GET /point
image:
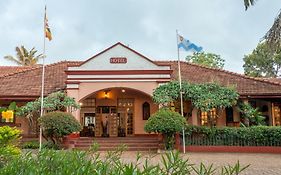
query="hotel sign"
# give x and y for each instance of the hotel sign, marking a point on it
(118, 60)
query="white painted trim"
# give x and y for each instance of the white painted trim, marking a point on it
(121, 76)
(72, 86)
(144, 80)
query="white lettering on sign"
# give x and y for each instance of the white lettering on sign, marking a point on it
(118, 60)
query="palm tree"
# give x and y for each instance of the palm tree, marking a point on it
(24, 57)
(273, 36)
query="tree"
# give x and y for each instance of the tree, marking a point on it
(204, 97)
(24, 57)
(273, 36)
(206, 59)
(58, 124)
(57, 101)
(167, 123)
(262, 62)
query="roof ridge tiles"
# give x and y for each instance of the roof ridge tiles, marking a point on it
(226, 71)
(33, 68)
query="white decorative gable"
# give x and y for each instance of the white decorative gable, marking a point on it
(119, 57)
(117, 63)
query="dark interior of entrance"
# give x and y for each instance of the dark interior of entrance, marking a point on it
(108, 121)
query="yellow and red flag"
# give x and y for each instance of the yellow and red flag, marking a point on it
(47, 29)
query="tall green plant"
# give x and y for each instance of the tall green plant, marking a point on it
(204, 96)
(58, 124)
(49, 162)
(57, 101)
(9, 138)
(251, 116)
(167, 123)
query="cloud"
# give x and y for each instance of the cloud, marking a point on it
(83, 28)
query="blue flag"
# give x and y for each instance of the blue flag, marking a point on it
(186, 45)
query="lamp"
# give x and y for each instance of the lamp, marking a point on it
(106, 94)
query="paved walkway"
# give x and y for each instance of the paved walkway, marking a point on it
(269, 164)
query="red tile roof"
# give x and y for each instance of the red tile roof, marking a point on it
(26, 81)
(245, 85)
(6, 70)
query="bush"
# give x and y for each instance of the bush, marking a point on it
(167, 123)
(52, 162)
(51, 145)
(34, 144)
(58, 124)
(243, 136)
(9, 139)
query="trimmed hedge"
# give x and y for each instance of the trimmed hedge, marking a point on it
(244, 136)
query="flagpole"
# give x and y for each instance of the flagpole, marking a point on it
(181, 98)
(42, 82)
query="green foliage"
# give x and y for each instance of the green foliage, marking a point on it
(34, 144)
(57, 101)
(12, 106)
(243, 136)
(58, 124)
(262, 62)
(167, 93)
(203, 96)
(24, 57)
(9, 138)
(206, 59)
(51, 145)
(167, 123)
(50, 162)
(251, 116)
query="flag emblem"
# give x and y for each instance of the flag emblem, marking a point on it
(186, 45)
(48, 33)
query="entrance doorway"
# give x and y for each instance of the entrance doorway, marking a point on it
(113, 121)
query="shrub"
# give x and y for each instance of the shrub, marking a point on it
(244, 136)
(51, 145)
(9, 139)
(52, 162)
(34, 144)
(167, 123)
(58, 124)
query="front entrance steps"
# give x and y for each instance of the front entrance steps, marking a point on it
(136, 143)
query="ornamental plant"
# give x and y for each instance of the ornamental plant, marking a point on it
(57, 101)
(58, 124)
(72, 162)
(166, 122)
(204, 97)
(251, 116)
(8, 113)
(9, 138)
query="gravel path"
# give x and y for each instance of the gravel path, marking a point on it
(269, 164)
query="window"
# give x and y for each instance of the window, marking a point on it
(145, 111)
(208, 120)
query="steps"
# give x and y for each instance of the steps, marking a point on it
(139, 143)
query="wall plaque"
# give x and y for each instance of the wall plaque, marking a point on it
(118, 60)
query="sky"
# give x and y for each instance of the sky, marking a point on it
(83, 28)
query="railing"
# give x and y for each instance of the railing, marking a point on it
(222, 140)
